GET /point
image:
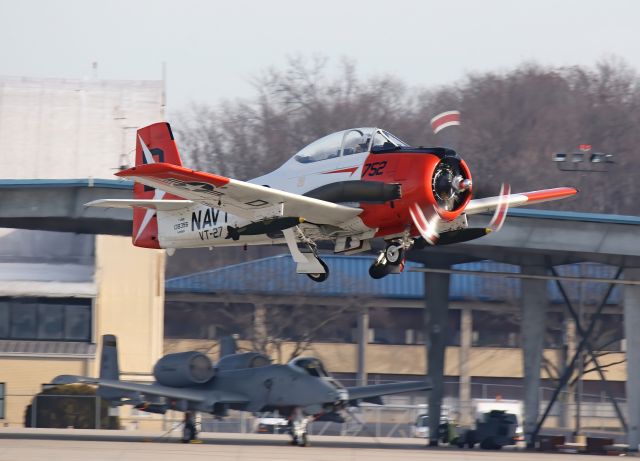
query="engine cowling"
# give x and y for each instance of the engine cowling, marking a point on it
(183, 369)
(430, 177)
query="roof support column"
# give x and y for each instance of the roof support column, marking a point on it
(466, 339)
(363, 340)
(435, 323)
(260, 327)
(534, 307)
(631, 328)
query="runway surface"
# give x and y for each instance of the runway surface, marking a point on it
(17, 447)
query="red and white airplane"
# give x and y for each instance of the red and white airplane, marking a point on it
(346, 188)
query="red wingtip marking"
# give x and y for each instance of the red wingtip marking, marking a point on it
(550, 194)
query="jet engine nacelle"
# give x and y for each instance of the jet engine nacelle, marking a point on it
(183, 369)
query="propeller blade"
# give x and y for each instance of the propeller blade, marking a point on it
(427, 226)
(499, 216)
(444, 120)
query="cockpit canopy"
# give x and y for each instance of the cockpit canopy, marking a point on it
(311, 366)
(348, 142)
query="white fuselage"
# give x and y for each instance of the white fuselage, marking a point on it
(203, 226)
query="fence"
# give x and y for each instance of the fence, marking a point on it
(394, 419)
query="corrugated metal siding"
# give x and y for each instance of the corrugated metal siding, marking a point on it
(349, 276)
(11, 347)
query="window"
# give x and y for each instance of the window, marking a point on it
(355, 142)
(23, 320)
(51, 322)
(322, 149)
(2, 387)
(61, 319)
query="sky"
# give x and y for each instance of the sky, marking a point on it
(214, 49)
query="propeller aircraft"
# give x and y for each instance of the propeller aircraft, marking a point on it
(346, 188)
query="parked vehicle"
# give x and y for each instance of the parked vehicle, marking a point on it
(272, 425)
(494, 430)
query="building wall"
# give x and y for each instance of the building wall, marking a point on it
(130, 301)
(61, 128)
(71, 129)
(24, 376)
(486, 362)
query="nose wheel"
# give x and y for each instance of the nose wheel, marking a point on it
(298, 428)
(389, 261)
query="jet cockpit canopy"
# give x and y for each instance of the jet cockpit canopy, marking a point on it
(310, 365)
(348, 142)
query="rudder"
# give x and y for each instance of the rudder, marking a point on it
(154, 144)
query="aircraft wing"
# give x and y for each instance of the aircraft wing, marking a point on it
(240, 198)
(164, 205)
(482, 205)
(377, 390)
(193, 395)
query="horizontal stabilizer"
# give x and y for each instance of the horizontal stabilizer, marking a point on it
(162, 205)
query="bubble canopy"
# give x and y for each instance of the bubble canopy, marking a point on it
(348, 142)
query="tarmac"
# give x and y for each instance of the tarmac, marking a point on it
(80, 445)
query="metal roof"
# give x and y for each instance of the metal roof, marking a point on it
(574, 216)
(47, 348)
(87, 182)
(349, 277)
(514, 212)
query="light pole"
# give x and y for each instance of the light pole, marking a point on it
(583, 159)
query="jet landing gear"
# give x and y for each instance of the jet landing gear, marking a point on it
(391, 260)
(298, 428)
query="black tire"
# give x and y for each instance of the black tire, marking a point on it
(378, 271)
(320, 277)
(470, 439)
(489, 444)
(394, 254)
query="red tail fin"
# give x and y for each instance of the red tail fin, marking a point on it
(154, 144)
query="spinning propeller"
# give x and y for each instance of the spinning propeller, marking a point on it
(450, 188)
(427, 221)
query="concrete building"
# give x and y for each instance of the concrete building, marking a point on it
(68, 129)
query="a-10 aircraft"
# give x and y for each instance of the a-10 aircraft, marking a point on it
(301, 390)
(346, 188)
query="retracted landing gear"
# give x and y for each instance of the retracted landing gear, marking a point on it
(308, 262)
(298, 427)
(391, 260)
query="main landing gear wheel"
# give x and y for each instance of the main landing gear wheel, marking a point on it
(377, 271)
(394, 254)
(390, 261)
(320, 277)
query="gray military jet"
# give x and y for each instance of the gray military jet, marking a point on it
(301, 390)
